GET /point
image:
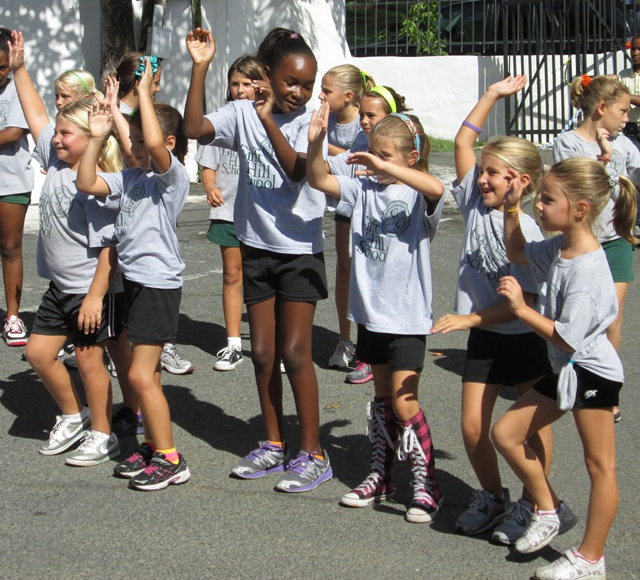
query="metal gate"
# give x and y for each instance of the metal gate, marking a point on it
(552, 42)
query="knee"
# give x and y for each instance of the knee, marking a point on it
(232, 276)
(293, 356)
(501, 437)
(600, 467)
(11, 249)
(38, 358)
(472, 430)
(262, 353)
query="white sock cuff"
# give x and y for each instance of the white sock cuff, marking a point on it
(234, 341)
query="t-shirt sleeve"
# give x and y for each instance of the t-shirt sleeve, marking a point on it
(633, 163)
(100, 222)
(173, 182)
(350, 189)
(464, 191)
(115, 182)
(573, 323)
(15, 115)
(433, 219)
(209, 156)
(224, 122)
(45, 153)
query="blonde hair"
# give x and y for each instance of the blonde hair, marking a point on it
(583, 179)
(394, 129)
(349, 77)
(598, 89)
(81, 82)
(519, 155)
(110, 157)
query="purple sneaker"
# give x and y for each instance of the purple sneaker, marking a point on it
(304, 473)
(267, 458)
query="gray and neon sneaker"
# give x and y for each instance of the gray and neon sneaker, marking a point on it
(136, 463)
(540, 532)
(304, 473)
(267, 458)
(484, 512)
(65, 433)
(96, 448)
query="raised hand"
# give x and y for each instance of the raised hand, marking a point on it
(264, 98)
(201, 46)
(100, 121)
(374, 165)
(16, 51)
(516, 186)
(146, 78)
(509, 86)
(111, 87)
(319, 123)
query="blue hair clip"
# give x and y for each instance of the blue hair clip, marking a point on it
(412, 127)
(153, 61)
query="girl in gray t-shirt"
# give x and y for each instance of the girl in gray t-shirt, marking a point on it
(587, 372)
(393, 222)
(80, 264)
(278, 220)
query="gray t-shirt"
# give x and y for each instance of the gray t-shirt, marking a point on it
(625, 160)
(16, 173)
(73, 226)
(150, 204)
(271, 211)
(343, 135)
(391, 230)
(582, 302)
(338, 163)
(226, 164)
(484, 256)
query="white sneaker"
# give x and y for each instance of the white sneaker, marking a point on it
(228, 359)
(343, 355)
(542, 529)
(14, 331)
(65, 433)
(173, 361)
(94, 449)
(572, 566)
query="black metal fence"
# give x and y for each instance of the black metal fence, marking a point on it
(550, 41)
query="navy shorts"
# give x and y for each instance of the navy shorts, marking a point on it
(504, 359)
(297, 277)
(151, 314)
(593, 391)
(402, 352)
(58, 312)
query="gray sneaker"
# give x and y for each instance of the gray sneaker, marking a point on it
(267, 458)
(572, 565)
(484, 512)
(513, 527)
(65, 433)
(94, 449)
(173, 361)
(540, 532)
(567, 518)
(304, 473)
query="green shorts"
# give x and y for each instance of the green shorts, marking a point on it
(17, 198)
(223, 233)
(620, 258)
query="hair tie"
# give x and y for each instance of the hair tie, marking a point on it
(412, 128)
(294, 35)
(365, 76)
(153, 61)
(386, 95)
(586, 81)
(75, 74)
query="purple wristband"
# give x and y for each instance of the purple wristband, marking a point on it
(471, 126)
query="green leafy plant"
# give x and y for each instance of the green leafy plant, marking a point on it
(421, 28)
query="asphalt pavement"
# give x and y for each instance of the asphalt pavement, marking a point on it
(75, 523)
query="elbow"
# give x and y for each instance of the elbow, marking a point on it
(192, 130)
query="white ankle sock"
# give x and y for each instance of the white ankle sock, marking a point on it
(234, 341)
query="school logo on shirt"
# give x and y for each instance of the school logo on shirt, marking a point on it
(230, 163)
(396, 219)
(57, 204)
(490, 257)
(258, 172)
(132, 200)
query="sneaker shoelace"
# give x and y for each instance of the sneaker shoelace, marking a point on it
(378, 435)
(262, 455)
(479, 500)
(226, 353)
(14, 325)
(361, 367)
(370, 484)
(540, 528)
(88, 441)
(518, 514)
(299, 465)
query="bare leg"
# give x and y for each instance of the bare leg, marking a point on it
(144, 377)
(404, 385)
(614, 332)
(596, 429)
(122, 355)
(42, 354)
(232, 289)
(97, 385)
(12, 216)
(295, 324)
(265, 353)
(510, 434)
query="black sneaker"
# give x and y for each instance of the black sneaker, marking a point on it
(126, 422)
(134, 464)
(161, 473)
(228, 359)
